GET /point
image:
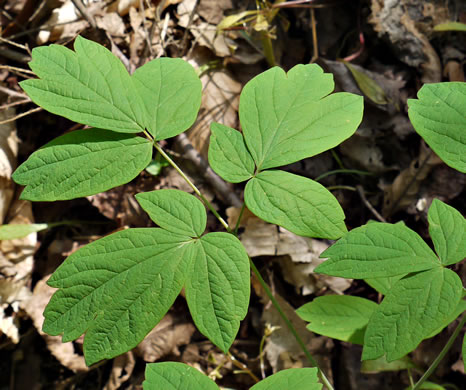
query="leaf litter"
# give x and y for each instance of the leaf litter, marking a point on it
(406, 175)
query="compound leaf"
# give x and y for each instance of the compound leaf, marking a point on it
(340, 317)
(288, 116)
(171, 92)
(117, 289)
(292, 378)
(447, 227)
(415, 307)
(300, 205)
(228, 154)
(176, 376)
(439, 117)
(378, 250)
(89, 86)
(82, 163)
(218, 287)
(175, 211)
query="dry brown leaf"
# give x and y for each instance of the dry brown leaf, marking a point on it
(8, 153)
(220, 100)
(404, 191)
(282, 350)
(298, 256)
(64, 352)
(122, 369)
(165, 338)
(112, 23)
(406, 23)
(123, 6)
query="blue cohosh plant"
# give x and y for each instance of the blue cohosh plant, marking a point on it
(116, 289)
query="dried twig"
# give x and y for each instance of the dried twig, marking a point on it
(32, 111)
(368, 204)
(219, 186)
(10, 92)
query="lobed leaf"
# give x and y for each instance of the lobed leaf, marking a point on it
(378, 250)
(439, 117)
(340, 317)
(89, 86)
(228, 154)
(300, 205)
(292, 378)
(218, 287)
(175, 211)
(171, 93)
(288, 116)
(82, 163)
(447, 228)
(117, 289)
(176, 376)
(416, 306)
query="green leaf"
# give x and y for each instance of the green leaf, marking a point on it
(176, 376)
(175, 211)
(378, 250)
(82, 163)
(381, 365)
(228, 154)
(383, 285)
(12, 231)
(447, 227)
(288, 116)
(439, 117)
(340, 317)
(300, 205)
(368, 86)
(450, 26)
(117, 289)
(171, 92)
(415, 306)
(292, 378)
(89, 86)
(460, 309)
(218, 287)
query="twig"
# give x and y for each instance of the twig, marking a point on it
(32, 111)
(184, 40)
(220, 187)
(368, 205)
(14, 55)
(17, 103)
(10, 92)
(83, 11)
(12, 43)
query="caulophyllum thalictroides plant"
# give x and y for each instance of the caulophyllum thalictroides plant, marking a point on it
(116, 289)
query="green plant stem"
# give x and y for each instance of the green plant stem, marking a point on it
(191, 184)
(441, 355)
(235, 230)
(290, 326)
(268, 49)
(262, 282)
(350, 171)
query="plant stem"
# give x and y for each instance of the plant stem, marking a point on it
(235, 230)
(441, 355)
(262, 282)
(191, 184)
(290, 326)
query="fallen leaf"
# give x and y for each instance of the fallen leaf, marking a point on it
(64, 352)
(165, 338)
(122, 369)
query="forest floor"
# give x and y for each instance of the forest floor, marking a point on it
(383, 50)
